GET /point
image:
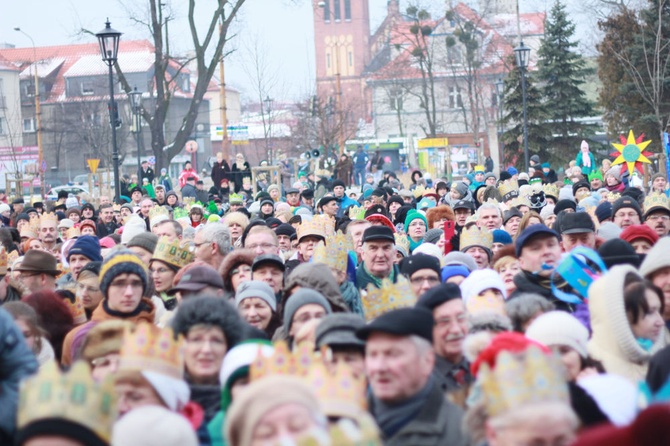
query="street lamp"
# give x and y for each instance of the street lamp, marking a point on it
(268, 137)
(38, 119)
(108, 39)
(500, 91)
(521, 53)
(136, 105)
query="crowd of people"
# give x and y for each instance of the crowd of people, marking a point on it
(510, 309)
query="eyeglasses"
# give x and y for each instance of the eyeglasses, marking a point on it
(90, 289)
(262, 245)
(420, 280)
(123, 284)
(659, 217)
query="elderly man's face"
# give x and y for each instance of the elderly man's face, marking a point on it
(396, 368)
(378, 256)
(48, 232)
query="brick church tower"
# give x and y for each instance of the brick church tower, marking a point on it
(342, 41)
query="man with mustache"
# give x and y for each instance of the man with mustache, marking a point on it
(452, 369)
(657, 213)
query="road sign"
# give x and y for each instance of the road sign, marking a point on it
(93, 164)
(152, 160)
(191, 146)
(431, 143)
(44, 166)
(238, 134)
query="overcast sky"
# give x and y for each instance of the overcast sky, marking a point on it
(283, 29)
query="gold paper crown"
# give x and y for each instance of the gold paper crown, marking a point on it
(509, 188)
(73, 233)
(154, 349)
(356, 212)
(173, 253)
(389, 297)
(551, 189)
(283, 361)
(522, 378)
(235, 198)
(655, 200)
(347, 432)
(339, 391)
(11, 257)
(72, 396)
(418, 191)
(327, 222)
(76, 309)
(335, 252)
(116, 207)
(48, 217)
(402, 241)
(520, 201)
(4, 261)
(313, 227)
(429, 191)
(613, 196)
(474, 236)
(158, 210)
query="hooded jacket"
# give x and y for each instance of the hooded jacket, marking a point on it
(613, 342)
(318, 277)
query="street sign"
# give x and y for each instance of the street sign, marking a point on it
(431, 143)
(191, 146)
(152, 160)
(238, 134)
(44, 166)
(93, 164)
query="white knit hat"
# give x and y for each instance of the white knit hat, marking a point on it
(482, 280)
(135, 225)
(153, 426)
(559, 328)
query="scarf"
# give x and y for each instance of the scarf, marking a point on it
(586, 159)
(391, 418)
(351, 297)
(376, 280)
(413, 245)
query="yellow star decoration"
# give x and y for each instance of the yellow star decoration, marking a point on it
(631, 151)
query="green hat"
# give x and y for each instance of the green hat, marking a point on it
(596, 174)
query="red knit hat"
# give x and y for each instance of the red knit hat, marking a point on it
(635, 232)
(650, 428)
(508, 341)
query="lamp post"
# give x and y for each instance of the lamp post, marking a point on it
(108, 39)
(268, 136)
(38, 118)
(521, 53)
(500, 91)
(136, 105)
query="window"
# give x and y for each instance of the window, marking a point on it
(28, 125)
(347, 9)
(455, 99)
(95, 119)
(328, 61)
(3, 126)
(29, 89)
(396, 102)
(351, 59)
(186, 83)
(326, 11)
(86, 88)
(336, 10)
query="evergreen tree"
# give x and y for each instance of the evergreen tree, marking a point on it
(512, 121)
(562, 72)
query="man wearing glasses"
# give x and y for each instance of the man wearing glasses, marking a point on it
(422, 271)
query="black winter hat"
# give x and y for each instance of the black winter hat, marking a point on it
(338, 182)
(403, 322)
(618, 252)
(285, 229)
(396, 199)
(438, 295)
(414, 263)
(563, 205)
(626, 202)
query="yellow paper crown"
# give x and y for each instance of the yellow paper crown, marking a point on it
(339, 391)
(522, 378)
(4, 261)
(551, 189)
(418, 191)
(656, 200)
(313, 227)
(509, 189)
(153, 349)
(390, 296)
(72, 396)
(173, 253)
(48, 217)
(479, 168)
(158, 210)
(474, 236)
(335, 252)
(327, 222)
(11, 257)
(613, 196)
(73, 233)
(76, 309)
(362, 431)
(235, 198)
(116, 207)
(520, 201)
(283, 361)
(402, 241)
(356, 212)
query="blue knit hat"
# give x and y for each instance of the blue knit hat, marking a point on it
(501, 236)
(122, 261)
(87, 246)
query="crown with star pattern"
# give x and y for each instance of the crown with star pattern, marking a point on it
(390, 296)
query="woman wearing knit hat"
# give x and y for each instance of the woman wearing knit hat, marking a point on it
(123, 282)
(301, 307)
(566, 336)
(153, 425)
(210, 326)
(626, 322)
(415, 227)
(237, 222)
(272, 410)
(642, 237)
(257, 304)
